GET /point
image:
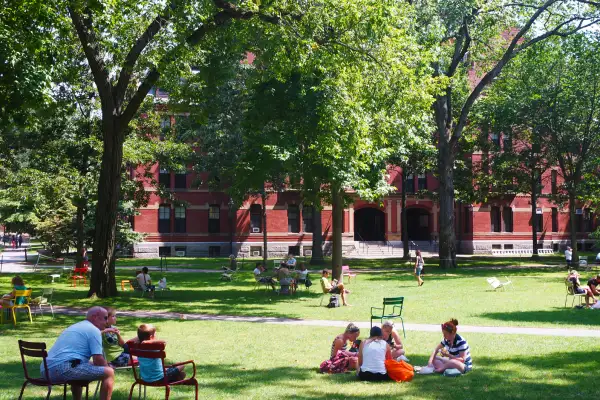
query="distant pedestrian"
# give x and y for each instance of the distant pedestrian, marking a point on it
(419, 263)
(569, 256)
(19, 240)
(4, 239)
(13, 241)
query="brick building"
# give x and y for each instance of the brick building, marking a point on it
(210, 226)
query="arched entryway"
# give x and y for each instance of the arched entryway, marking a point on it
(369, 224)
(418, 224)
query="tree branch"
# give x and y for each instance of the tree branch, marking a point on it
(92, 54)
(461, 46)
(137, 49)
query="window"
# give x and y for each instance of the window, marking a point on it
(255, 218)
(214, 218)
(507, 219)
(165, 126)
(467, 221)
(214, 251)
(495, 138)
(539, 222)
(294, 250)
(410, 183)
(181, 180)
(180, 219)
(588, 218)
(307, 218)
(554, 219)
(578, 220)
(554, 177)
(164, 218)
(495, 219)
(422, 182)
(164, 178)
(293, 215)
(164, 251)
(509, 247)
(507, 141)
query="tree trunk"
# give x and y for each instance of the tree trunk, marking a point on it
(447, 251)
(263, 197)
(573, 225)
(406, 249)
(80, 230)
(317, 239)
(534, 216)
(102, 282)
(337, 220)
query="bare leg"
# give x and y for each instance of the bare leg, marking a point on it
(108, 382)
(76, 391)
(397, 353)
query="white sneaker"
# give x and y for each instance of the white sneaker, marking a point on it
(402, 358)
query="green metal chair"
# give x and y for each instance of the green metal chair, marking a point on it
(392, 308)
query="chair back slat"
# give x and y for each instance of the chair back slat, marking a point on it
(34, 353)
(393, 300)
(32, 345)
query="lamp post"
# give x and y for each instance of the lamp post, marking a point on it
(231, 225)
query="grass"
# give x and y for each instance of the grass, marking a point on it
(537, 299)
(257, 361)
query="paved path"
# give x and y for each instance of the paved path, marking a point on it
(496, 330)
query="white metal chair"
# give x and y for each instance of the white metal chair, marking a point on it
(570, 292)
(496, 284)
(44, 300)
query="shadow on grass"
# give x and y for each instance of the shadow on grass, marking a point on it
(557, 315)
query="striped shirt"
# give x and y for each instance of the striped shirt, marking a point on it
(340, 337)
(460, 345)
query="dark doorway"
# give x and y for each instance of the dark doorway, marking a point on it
(369, 224)
(418, 224)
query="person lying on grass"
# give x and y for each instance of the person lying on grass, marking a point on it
(391, 336)
(452, 352)
(334, 287)
(151, 369)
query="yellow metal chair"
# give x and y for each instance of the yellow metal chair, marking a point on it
(26, 295)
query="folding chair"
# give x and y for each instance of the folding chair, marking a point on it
(496, 284)
(346, 272)
(19, 294)
(44, 300)
(325, 291)
(396, 304)
(154, 350)
(38, 350)
(570, 292)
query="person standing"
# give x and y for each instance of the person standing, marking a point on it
(568, 257)
(69, 357)
(419, 263)
(19, 240)
(13, 241)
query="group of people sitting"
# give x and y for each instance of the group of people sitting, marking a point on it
(590, 291)
(368, 357)
(288, 279)
(98, 338)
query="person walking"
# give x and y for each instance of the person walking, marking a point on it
(419, 263)
(19, 240)
(13, 241)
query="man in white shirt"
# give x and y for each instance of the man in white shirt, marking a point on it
(145, 282)
(69, 357)
(568, 256)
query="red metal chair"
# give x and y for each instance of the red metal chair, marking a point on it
(38, 349)
(154, 350)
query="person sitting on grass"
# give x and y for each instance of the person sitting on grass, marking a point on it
(452, 352)
(579, 289)
(262, 279)
(391, 336)
(372, 355)
(151, 369)
(334, 287)
(342, 359)
(10, 299)
(115, 348)
(145, 282)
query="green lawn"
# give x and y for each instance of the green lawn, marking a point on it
(258, 361)
(537, 299)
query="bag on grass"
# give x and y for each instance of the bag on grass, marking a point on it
(308, 282)
(334, 302)
(400, 371)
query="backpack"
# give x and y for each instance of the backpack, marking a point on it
(334, 302)
(400, 371)
(307, 282)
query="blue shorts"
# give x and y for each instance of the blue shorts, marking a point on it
(419, 270)
(66, 371)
